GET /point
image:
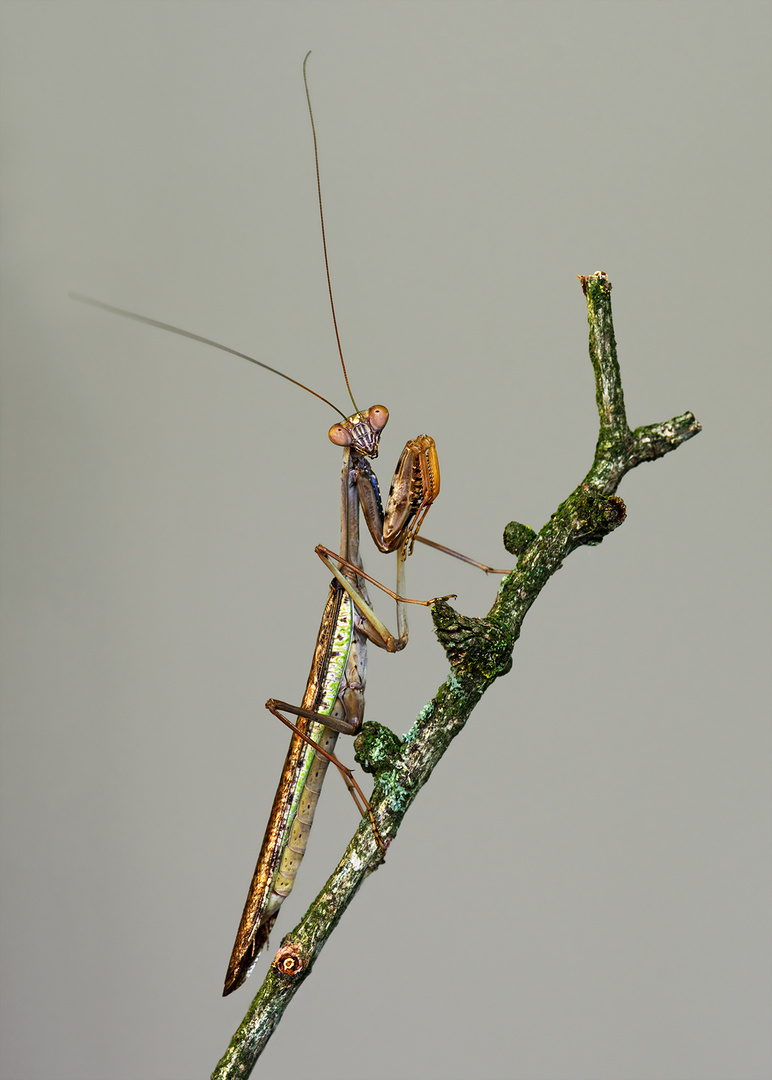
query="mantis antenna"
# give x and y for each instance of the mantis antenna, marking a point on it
(324, 238)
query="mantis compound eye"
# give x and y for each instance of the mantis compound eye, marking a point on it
(340, 435)
(378, 416)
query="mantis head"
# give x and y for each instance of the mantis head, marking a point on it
(362, 430)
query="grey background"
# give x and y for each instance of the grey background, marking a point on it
(583, 889)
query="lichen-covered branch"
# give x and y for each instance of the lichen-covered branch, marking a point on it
(479, 651)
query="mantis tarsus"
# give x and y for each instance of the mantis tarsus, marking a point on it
(334, 696)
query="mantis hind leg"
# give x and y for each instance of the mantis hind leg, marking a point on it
(359, 797)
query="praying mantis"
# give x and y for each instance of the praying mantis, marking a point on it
(334, 698)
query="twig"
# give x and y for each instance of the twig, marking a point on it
(479, 651)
